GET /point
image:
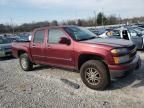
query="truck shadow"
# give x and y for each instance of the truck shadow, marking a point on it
(41, 67)
(134, 80)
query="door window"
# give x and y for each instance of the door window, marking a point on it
(55, 35)
(39, 36)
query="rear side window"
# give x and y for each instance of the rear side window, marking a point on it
(39, 36)
(55, 35)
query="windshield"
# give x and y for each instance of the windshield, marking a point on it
(4, 41)
(79, 33)
(116, 33)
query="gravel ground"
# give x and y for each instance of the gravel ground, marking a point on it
(47, 87)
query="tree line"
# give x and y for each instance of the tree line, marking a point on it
(98, 20)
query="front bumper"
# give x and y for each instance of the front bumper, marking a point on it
(121, 70)
(5, 53)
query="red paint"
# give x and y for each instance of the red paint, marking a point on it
(66, 56)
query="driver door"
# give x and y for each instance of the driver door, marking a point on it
(37, 46)
(57, 53)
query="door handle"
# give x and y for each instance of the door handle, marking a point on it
(33, 45)
(48, 46)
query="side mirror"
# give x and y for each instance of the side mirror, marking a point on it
(65, 40)
(29, 38)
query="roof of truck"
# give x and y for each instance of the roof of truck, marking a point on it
(56, 27)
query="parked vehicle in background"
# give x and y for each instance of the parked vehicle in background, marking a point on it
(134, 36)
(100, 31)
(72, 47)
(107, 33)
(140, 30)
(127, 34)
(5, 47)
(24, 37)
(140, 25)
(13, 38)
(97, 31)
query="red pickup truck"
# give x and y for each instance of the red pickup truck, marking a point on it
(73, 47)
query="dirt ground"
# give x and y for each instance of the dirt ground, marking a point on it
(47, 87)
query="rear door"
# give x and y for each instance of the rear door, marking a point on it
(57, 53)
(37, 46)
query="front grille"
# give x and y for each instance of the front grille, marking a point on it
(131, 47)
(132, 51)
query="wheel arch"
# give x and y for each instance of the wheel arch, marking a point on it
(22, 51)
(85, 57)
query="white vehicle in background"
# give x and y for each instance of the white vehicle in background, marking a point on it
(126, 33)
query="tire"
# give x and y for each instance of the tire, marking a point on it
(25, 62)
(96, 70)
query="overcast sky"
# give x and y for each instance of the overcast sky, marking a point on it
(21, 11)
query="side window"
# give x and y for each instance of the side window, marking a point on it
(55, 35)
(39, 36)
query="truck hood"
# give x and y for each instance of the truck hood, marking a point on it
(110, 42)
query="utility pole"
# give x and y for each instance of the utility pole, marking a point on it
(119, 19)
(95, 18)
(12, 26)
(102, 17)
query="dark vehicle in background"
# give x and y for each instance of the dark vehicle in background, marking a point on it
(13, 38)
(140, 25)
(98, 60)
(5, 47)
(138, 29)
(23, 38)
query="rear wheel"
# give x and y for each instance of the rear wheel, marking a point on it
(95, 75)
(25, 62)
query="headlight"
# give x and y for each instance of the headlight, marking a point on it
(120, 51)
(122, 59)
(120, 55)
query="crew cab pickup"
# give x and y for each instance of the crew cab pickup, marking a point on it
(72, 47)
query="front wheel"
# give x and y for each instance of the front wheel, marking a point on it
(95, 75)
(25, 62)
